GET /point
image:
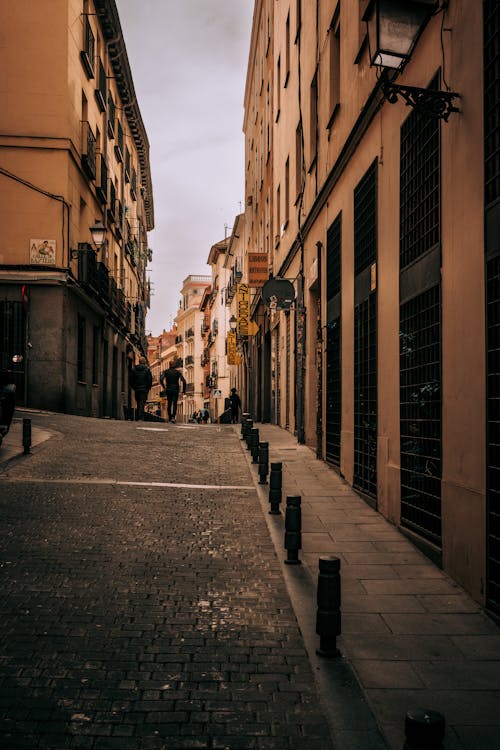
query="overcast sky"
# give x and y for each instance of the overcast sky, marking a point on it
(189, 61)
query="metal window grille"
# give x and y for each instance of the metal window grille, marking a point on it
(81, 344)
(491, 11)
(493, 434)
(287, 371)
(333, 256)
(419, 185)
(365, 224)
(365, 396)
(491, 18)
(277, 377)
(333, 414)
(333, 410)
(420, 412)
(12, 338)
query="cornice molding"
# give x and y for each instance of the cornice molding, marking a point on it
(112, 31)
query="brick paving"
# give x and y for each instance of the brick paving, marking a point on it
(142, 617)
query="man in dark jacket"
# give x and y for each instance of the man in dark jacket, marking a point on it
(171, 380)
(235, 403)
(141, 381)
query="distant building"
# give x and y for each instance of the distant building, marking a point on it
(74, 155)
(189, 343)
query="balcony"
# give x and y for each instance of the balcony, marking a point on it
(100, 92)
(189, 333)
(111, 116)
(205, 326)
(119, 218)
(133, 185)
(87, 55)
(189, 360)
(112, 202)
(101, 187)
(189, 387)
(88, 151)
(119, 142)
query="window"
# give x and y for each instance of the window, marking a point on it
(87, 55)
(299, 160)
(111, 116)
(278, 214)
(298, 15)
(313, 121)
(334, 63)
(100, 92)
(287, 191)
(278, 88)
(287, 50)
(127, 164)
(80, 354)
(119, 141)
(96, 335)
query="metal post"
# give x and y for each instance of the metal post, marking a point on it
(293, 524)
(328, 616)
(424, 730)
(244, 418)
(254, 445)
(27, 435)
(248, 429)
(275, 483)
(263, 462)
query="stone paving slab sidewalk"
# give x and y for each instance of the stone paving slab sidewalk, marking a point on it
(412, 635)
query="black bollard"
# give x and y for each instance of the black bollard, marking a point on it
(263, 462)
(275, 483)
(424, 730)
(27, 435)
(244, 418)
(248, 430)
(254, 445)
(328, 616)
(293, 524)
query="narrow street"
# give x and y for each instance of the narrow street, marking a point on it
(143, 605)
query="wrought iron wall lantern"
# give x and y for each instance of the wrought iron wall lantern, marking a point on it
(98, 236)
(393, 30)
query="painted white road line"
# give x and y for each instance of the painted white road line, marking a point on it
(116, 482)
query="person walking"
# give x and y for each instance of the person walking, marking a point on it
(171, 380)
(235, 403)
(141, 381)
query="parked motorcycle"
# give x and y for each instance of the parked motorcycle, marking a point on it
(7, 397)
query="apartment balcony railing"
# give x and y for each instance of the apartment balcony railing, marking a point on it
(88, 151)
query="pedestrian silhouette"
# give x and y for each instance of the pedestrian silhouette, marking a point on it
(171, 380)
(141, 381)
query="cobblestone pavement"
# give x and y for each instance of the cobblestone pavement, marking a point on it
(140, 616)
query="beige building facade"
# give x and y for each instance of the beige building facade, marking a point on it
(74, 155)
(189, 343)
(385, 222)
